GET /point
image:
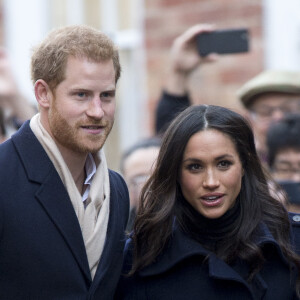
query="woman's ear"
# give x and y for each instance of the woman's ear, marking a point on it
(43, 93)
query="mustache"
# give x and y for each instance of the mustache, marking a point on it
(93, 122)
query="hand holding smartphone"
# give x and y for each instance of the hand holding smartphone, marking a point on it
(227, 41)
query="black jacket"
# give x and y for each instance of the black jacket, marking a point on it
(181, 272)
(169, 106)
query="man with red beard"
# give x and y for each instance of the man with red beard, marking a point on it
(62, 211)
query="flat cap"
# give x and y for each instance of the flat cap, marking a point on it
(268, 82)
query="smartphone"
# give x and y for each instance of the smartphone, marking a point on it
(292, 190)
(223, 41)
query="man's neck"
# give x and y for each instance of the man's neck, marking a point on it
(76, 164)
(75, 161)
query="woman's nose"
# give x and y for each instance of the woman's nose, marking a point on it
(210, 180)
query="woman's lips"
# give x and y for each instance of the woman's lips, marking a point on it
(212, 199)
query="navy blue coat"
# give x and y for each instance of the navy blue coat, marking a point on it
(181, 273)
(42, 252)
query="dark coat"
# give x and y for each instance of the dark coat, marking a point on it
(42, 252)
(181, 273)
(169, 106)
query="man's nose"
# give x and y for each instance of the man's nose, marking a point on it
(278, 114)
(95, 109)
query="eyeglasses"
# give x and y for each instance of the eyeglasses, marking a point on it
(287, 173)
(266, 113)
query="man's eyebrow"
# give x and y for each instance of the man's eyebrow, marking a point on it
(284, 161)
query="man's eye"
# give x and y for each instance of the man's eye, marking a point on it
(81, 94)
(107, 94)
(264, 112)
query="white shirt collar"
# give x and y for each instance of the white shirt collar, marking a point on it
(90, 170)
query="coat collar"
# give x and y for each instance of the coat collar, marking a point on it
(116, 226)
(51, 193)
(32, 154)
(55, 200)
(183, 247)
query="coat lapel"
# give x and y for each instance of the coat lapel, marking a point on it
(115, 237)
(183, 247)
(51, 194)
(55, 200)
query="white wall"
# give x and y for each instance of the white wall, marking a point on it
(282, 34)
(25, 23)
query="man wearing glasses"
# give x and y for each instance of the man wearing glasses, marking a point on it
(283, 142)
(267, 98)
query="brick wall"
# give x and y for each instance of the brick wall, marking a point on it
(215, 83)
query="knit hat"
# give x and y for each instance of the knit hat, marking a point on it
(270, 81)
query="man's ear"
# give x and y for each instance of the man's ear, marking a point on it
(43, 93)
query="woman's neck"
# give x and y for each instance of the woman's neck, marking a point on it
(209, 232)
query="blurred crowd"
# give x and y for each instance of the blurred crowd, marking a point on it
(268, 99)
(272, 97)
(14, 107)
(213, 194)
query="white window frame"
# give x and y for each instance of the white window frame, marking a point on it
(281, 21)
(132, 87)
(27, 22)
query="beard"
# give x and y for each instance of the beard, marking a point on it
(73, 137)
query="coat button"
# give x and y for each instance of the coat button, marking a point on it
(296, 218)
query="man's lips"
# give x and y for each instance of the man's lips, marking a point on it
(93, 129)
(91, 126)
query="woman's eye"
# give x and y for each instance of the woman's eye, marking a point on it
(224, 164)
(194, 167)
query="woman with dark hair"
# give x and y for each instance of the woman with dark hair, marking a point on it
(207, 227)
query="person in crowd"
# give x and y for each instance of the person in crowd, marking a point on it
(63, 213)
(137, 163)
(207, 227)
(266, 98)
(183, 60)
(283, 144)
(15, 107)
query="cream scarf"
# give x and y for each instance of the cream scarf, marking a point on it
(93, 219)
